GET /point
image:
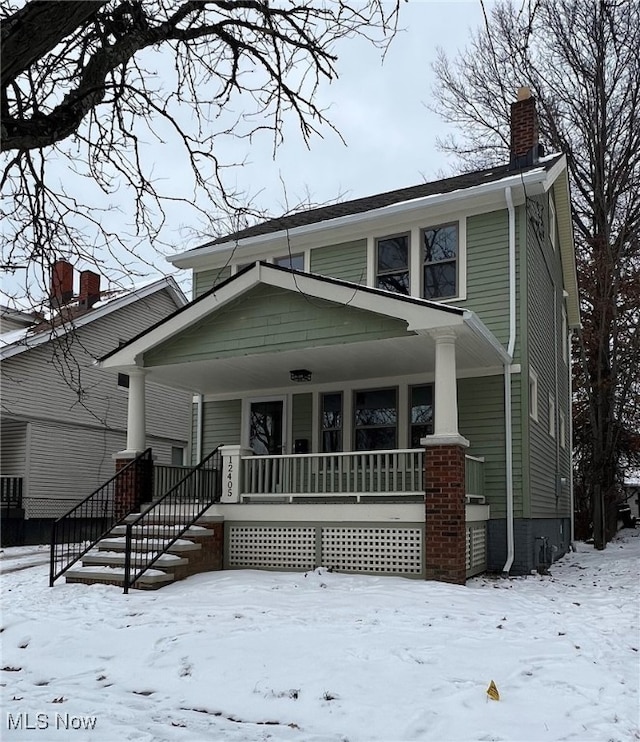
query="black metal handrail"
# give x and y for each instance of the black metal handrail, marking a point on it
(90, 520)
(10, 492)
(166, 520)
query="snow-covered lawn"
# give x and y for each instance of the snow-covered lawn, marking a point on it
(315, 657)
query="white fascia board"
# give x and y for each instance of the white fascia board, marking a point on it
(199, 257)
(128, 356)
(93, 314)
(418, 315)
(478, 327)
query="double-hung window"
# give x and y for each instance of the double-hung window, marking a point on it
(392, 263)
(421, 419)
(375, 419)
(440, 261)
(296, 262)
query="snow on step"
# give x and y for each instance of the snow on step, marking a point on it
(161, 530)
(119, 543)
(117, 558)
(115, 574)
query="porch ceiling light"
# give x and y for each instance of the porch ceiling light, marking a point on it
(300, 374)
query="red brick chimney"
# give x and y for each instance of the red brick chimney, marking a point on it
(525, 147)
(89, 289)
(61, 289)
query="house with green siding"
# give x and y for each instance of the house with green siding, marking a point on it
(388, 377)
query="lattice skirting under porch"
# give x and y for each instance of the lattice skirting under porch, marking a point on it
(476, 548)
(344, 548)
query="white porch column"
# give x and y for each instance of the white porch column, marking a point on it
(446, 395)
(136, 411)
(232, 472)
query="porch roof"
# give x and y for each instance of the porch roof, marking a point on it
(402, 342)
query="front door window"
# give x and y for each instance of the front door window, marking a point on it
(266, 428)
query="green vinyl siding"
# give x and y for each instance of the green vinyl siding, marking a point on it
(302, 422)
(347, 261)
(544, 321)
(270, 320)
(481, 421)
(205, 280)
(488, 272)
(221, 424)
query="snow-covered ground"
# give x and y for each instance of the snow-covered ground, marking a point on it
(319, 657)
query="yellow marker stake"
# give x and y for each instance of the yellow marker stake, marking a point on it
(492, 692)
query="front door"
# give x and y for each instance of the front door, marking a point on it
(266, 428)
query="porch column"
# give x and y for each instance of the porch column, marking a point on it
(232, 472)
(136, 412)
(444, 474)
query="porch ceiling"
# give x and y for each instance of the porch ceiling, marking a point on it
(391, 357)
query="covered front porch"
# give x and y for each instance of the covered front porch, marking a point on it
(332, 401)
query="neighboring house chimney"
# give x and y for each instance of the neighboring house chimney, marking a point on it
(61, 290)
(89, 289)
(525, 148)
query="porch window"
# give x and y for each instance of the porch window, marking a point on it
(375, 419)
(296, 262)
(440, 261)
(331, 420)
(392, 264)
(421, 416)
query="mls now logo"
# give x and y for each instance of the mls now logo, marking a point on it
(45, 721)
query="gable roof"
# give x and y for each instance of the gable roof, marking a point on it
(18, 341)
(377, 201)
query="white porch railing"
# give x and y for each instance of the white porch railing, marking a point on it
(347, 473)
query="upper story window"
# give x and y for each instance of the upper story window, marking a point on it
(392, 263)
(296, 262)
(440, 261)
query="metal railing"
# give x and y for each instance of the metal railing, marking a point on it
(10, 492)
(344, 473)
(80, 528)
(155, 530)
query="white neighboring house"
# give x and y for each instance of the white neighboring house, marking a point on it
(63, 418)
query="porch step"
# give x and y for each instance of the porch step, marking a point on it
(159, 530)
(105, 558)
(152, 579)
(181, 546)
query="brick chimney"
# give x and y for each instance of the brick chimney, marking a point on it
(61, 289)
(525, 147)
(89, 289)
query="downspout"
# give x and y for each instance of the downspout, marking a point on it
(199, 427)
(508, 428)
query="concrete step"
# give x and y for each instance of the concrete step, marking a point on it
(152, 579)
(119, 543)
(161, 531)
(117, 559)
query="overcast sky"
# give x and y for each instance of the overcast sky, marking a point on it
(379, 108)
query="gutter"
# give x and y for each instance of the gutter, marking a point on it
(508, 430)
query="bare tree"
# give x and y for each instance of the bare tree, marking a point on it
(87, 86)
(582, 60)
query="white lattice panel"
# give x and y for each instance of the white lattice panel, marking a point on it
(476, 551)
(378, 550)
(272, 547)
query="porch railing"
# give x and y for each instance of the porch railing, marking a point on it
(10, 492)
(156, 529)
(166, 477)
(79, 529)
(474, 478)
(353, 473)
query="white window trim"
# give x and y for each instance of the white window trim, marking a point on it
(562, 429)
(533, 394)
(552, 222)
(552, 416)
(565, 336)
